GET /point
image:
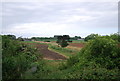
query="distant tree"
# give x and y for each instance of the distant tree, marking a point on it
(115, 36)
(33, 38)
(91, 36)
(77, 37)
(20, 39)
(66, 37)
(59, 38)
(12, 36)
(64, 43)
(62, 40)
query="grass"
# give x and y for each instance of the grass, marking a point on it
(54, 63)
(47, 40)
(63, 51)
(50, 70)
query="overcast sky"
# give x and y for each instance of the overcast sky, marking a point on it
(46, 19)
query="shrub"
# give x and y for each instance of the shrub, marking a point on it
(63, 43)
(115, 36)
(91, 36)
(99, 59)
(62, 40)
(104, 51)
(93, 73)
(16, 58)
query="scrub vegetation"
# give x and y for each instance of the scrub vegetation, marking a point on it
(98, 59)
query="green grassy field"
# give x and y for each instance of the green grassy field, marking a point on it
(78, 41)
(46, 40)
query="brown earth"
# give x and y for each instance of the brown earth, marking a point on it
(79, 45)
(47, 54)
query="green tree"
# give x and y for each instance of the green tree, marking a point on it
(62, 40)
(91, 36)
(20, 39)
(16, 58)
(115, 36)
(77, 37)
(11, 36)
(63, 43)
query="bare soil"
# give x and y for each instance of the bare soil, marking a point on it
(79, 45)
(47, 54)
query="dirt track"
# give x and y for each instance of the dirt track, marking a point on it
(47, 54)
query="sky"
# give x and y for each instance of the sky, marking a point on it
(46, 19)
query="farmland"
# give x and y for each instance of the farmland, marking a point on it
(60, 40)
(97, 59)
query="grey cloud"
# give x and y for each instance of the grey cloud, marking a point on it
(28, 12)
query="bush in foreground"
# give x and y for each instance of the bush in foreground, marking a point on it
(99, 59)
(16, 58)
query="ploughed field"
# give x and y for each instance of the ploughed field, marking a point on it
(79, 45)
(47, 54)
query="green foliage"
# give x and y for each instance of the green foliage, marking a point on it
(115, 36)
(65, 51)
(63, 43)
(72, 60)
(62, 40)
(16, 58)
(93, 73)
(99, 59)
(20, 39)
(104, 50)
(91, 36)
(77, 37)
(43, 38)
(61, 49)
(12, 37)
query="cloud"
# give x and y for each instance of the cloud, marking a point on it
(38, 28)
(49, 18)
(68, 1)
(76, 18)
